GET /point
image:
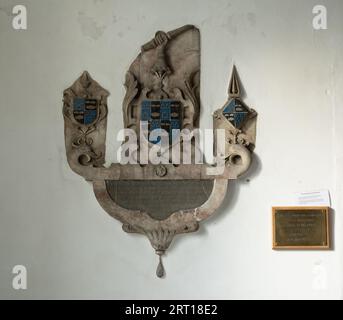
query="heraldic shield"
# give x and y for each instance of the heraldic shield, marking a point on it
(85, 111)
(162, 114)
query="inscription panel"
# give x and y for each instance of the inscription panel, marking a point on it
(300, 228)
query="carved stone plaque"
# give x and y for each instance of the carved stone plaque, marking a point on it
(301, 228)
(164, 198)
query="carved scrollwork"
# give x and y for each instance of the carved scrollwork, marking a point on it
(192, 87)
(131, 86)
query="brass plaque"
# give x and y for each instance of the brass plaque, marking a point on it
(301, 228)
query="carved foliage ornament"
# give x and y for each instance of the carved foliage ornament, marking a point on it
(162, 91)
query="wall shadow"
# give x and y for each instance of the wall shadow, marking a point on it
(230, 200)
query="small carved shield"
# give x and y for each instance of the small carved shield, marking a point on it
(85, 111)
(236, 113)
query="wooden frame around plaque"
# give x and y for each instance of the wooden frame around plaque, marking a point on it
(301, 228)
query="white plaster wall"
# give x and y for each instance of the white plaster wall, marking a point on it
(49, 218)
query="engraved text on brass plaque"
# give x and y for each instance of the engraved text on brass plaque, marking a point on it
(300, 228)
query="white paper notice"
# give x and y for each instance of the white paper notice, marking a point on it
(313, 198)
